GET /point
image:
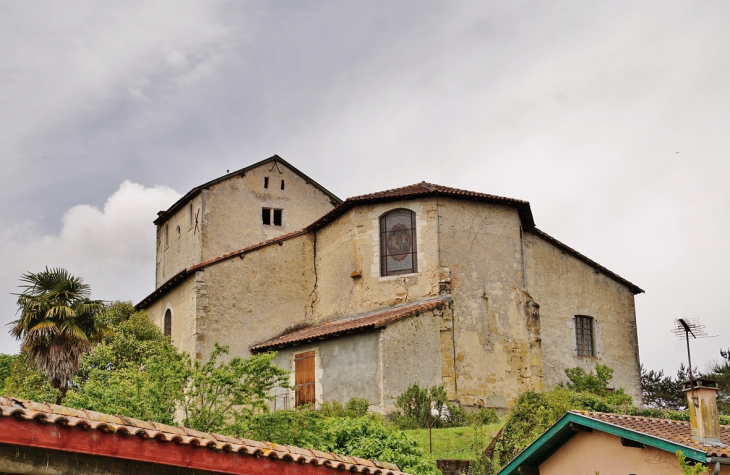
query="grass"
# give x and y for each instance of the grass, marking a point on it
(456, 443)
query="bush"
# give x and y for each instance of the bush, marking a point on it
(365, 437)
(414, 412)
(483, 416)
(355, 407)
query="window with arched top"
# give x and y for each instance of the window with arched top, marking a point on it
(167, 323)
(398, 243)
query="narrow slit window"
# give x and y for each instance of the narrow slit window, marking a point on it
(266, 215)
(584, 336)
(277, 217)
(190, 215)
(266, 182)
(166, 235)
(167, 324)
(282, 184)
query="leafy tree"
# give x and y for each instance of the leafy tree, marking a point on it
(24, 381)
(221, 397)
(134, 372)
(662, 392)
(5, 362)
(57, 323)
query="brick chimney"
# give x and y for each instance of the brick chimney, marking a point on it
(703, 415)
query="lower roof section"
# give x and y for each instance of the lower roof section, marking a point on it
(343, 326)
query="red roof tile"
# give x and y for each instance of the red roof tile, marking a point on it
(679, 432)
(68, 417)
(359, 323)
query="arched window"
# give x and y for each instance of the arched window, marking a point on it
(167, 323)
(398, 243)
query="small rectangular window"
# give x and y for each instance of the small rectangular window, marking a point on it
(584, 336)
(266, 182)
(282, 184)
(166, 235)
(266, 215)
(190, 215)
(277, 217)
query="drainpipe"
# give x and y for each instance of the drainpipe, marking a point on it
(718, 461)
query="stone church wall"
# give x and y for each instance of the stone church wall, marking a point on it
(496, 330)
(565, 287)
(181, 301)
(183, 249)
(232, 212)
(351, 244)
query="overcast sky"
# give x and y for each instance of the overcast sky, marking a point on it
(610, 117)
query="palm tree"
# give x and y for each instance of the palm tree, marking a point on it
(58, 323)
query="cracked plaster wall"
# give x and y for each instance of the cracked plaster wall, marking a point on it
(232, 211)
(495, 326)
(565, 287)
(229, 217)
(351, 244)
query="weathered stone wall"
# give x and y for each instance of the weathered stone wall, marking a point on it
(351, 244)
(182, 300)
(565, 287)
(410, 352)
(496, 329)
(184, 248)
(345, 367)
(232, 212)
(250, 300)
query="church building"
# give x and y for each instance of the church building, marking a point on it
(362, 298)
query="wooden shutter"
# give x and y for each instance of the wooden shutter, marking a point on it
(304, 378)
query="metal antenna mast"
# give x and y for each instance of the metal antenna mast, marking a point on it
(683, 328)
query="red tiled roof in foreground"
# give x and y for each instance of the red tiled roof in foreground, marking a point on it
(48, 426)
(679, 432)
(360, 323)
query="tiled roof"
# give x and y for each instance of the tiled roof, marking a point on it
(90, 420)
(162, 217)
(192, 269)
(679, 432)
(424, 189)
(359, 323)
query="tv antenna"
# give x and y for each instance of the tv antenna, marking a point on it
(684, 328)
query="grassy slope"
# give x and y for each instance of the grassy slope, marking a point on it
(456, 443)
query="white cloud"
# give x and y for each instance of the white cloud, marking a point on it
(112, 248)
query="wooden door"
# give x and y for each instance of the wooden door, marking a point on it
(304, 378)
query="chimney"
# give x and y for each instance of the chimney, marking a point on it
(703, 416)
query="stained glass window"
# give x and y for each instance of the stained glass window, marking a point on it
(398, 243)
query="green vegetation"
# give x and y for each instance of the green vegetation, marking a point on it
(418, 407)
(455, 443)
(687, 469)
(58, 323)
(366, 436)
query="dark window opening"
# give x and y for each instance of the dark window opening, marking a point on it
(398, 243)
(266, 182)
(282, 184)
(266, 216)
(168, 323)
(584, 336)
(277, 217)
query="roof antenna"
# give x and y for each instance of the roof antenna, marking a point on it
(683, 328)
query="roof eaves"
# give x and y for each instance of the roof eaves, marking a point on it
(532, 455)
(274, 158)
(635, 289)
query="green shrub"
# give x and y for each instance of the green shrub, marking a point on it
(357, 407)
(483, 416)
